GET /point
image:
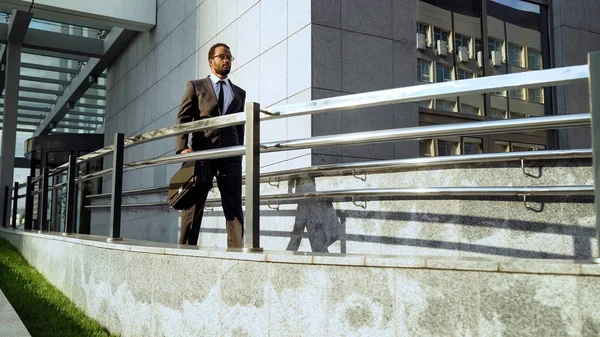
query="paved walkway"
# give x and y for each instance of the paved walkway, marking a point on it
(11, 325)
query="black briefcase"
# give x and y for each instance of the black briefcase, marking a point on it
(189, 183)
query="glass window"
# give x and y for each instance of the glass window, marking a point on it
(520, 147)
(518, 24)
(472, 145)
(440, 34)
(461, 41)
(423, 29)
(534, 95)
(469, 109)
(462, 74)
(515, 55)
(514, 114)
(478, 46)
(494, 44)
(502, 146)
(517, 93)
(497, 113)
(425, 104)
(423, 70)
(426, 148)
(448, 147)
(442, 104)
(534, 59)
(442, 73)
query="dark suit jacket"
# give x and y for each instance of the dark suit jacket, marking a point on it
(200, 101)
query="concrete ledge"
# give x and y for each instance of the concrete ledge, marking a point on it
(493, 264)
(138, 288)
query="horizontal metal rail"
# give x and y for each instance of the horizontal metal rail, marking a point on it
(381, 136)
(131, 192)
(148, 204)
(374, 194)
(402, 134)
(396, 164)
(231, 151)
(480, 85)
(205, 124)
(537, 78)
(434, 131)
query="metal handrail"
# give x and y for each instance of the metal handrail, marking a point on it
(131, 192)
(380, 136)
(148, 204)
(416, 93)
(395, 164)
(178, 158)
(529, 79)
(387, 165)
(191, 127)
(541, 78)
(434, 131)
(370, 194)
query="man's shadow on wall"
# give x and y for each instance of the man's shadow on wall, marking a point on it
(318, 217)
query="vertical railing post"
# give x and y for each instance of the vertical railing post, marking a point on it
(71, 196)
(594, 84)
(54, 206)
(5, 206)
(15, 205)
(117, 188)
(43, 199)
(252, 220)
(28, 204)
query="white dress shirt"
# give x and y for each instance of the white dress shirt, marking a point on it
(227, 94)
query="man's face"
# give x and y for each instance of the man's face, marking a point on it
(220, 63)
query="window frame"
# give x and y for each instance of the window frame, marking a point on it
(444, 68)
(512, 60)
(420, 70)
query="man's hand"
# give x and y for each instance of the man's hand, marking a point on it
(211, 133)
(186, 151)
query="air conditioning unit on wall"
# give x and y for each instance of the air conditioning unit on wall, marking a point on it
(421, 41)
(463, 54)
(441, 48)
(496, 58)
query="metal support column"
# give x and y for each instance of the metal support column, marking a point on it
(28, 204)
(43, 199)
(5, 206)
(252, 176)
(71, 196)
(117, 188)
(15, 204)
(17, 28)
(594, 71)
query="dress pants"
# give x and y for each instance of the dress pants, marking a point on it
(229, 180)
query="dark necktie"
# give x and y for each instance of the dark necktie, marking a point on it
(221, 98)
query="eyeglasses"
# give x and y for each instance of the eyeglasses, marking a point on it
(225, 57)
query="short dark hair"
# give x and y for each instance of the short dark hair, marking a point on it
(211, 51)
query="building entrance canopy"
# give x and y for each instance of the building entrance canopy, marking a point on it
(53, 60)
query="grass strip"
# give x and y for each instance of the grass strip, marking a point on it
(44, 310)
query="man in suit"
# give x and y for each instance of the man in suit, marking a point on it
(214, 96)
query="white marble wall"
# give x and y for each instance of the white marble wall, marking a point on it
(271, 42)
